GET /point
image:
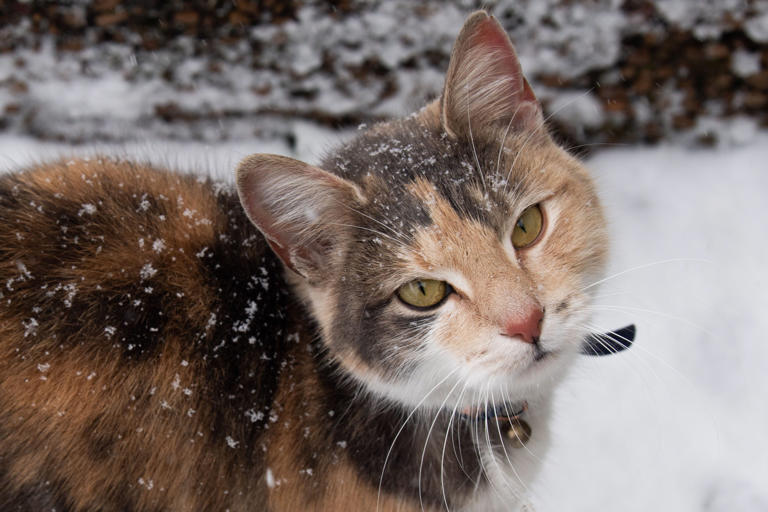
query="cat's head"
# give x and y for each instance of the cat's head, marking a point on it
(444, 255)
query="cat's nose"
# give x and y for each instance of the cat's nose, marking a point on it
(527, 326)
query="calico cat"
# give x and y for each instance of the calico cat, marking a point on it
(382, 332)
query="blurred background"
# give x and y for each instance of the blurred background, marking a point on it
(608, 70)
(667, 100)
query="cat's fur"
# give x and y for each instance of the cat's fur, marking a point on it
(155, 354)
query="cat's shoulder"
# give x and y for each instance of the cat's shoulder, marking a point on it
(124, 236)
(161, 207)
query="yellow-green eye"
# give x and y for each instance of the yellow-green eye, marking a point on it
(423, 293)
(528, 227)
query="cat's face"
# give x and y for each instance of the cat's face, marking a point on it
(444, 256)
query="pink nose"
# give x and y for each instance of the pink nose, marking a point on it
(527, 327)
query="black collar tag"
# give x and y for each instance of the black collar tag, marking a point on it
(610, 342)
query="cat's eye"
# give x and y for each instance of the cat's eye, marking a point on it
(423, 293)
(528, 227)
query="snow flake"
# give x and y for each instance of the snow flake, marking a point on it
(71, 290)
(147, 271)
(254, 416)
(148, 483)
(231, 442)
(30, 327)
(86, 208)
(270, 478)
(144, 204)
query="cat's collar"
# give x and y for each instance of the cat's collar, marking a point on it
(505, 411)
(508, 419)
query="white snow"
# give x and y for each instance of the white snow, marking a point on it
(677, 423)
(30, 327)
(757, 28)
(315, 67)
(578, 109)
(744, 63)
(270, 478)
(87, 208)
(147, 271)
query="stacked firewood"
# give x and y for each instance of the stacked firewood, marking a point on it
(656, 68)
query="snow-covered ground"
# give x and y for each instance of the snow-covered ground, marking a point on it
(679, 422)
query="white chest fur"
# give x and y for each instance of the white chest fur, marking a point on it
(511, 470)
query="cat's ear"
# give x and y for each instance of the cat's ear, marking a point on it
(303, 211)
(485, 85)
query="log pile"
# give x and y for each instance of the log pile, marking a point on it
(607, 72)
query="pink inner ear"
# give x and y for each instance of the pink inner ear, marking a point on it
(263, 220)
(528, 93)
(487, 33)
(491, 36)
(485, 80)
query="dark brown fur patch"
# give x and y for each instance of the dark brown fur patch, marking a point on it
(171, 374)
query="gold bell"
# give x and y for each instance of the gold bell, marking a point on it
(518, 433)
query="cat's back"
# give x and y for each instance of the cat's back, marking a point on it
(134, 300)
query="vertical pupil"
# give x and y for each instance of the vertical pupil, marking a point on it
(521, 225)
(421, 288)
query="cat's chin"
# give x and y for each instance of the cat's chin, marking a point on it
(439, 383)
(516, 382)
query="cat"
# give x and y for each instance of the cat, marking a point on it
(380, 332)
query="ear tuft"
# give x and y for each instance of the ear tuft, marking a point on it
(302, 210)
(485, 85)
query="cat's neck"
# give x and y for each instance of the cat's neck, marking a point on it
(320, 417)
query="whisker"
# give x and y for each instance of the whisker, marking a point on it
(646, 265)
(474, 149)
(525, 446)
(601, 144)
(474, 430)
(365, 229)
(491, 454)
(504, 139)
(539, 127)
(606, 307)
(504, 448)
(429, 433)
(445, 442)
(396, 233)
(389, 452)
(639, 347)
